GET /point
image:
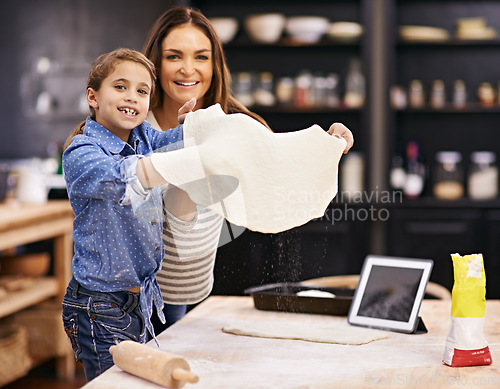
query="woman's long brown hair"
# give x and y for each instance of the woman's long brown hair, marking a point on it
(102, 67)
(219, 90)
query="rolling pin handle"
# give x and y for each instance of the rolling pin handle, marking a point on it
(180, 374)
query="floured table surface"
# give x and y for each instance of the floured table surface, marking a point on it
(224, 360)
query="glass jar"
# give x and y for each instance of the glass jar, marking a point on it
(303, 94)
(459, 94)
(438, 94)
(448, 176)
(416, 97)
(284, 91)
(483, 176)
(332, 94)
(264, 91)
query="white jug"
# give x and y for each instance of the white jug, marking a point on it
(32, 187)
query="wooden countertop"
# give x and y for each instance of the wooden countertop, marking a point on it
(228, 361)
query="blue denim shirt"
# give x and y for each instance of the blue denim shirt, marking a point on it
(117, 230)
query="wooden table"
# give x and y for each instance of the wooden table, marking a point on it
(23, 224)
(237, 362)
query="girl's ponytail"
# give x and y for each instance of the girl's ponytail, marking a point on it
(78, 130)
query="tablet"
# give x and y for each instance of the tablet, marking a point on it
(389, 293)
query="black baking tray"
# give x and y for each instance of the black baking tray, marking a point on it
(283, 297)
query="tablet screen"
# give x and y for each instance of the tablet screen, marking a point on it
(390, 293)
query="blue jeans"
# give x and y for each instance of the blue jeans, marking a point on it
(172, 314)
(95, 321)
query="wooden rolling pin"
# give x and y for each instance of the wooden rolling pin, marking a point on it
(152, 364)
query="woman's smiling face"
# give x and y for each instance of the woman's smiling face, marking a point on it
(186, 66)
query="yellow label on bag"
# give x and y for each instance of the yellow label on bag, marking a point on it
(469, 290)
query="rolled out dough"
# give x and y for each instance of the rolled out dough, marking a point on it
(267, 182)
(339, 333)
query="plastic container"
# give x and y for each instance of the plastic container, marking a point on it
(352, 176)
(483, 176)
(448, 176)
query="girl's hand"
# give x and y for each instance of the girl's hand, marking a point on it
(185, 109)
(340, 131)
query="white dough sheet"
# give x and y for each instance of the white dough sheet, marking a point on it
(264, 181)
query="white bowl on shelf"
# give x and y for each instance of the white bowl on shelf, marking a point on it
(345, 31)
(307, 29)
(265, 28)
(225, 27)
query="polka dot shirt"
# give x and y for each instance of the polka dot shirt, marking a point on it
(117, 230)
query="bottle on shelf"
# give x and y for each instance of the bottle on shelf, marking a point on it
(332, 95)
(355, 85)
(319, 90)
(397, 177)
(438, 94)
(415, 171)
(486, 94)
(459, 94)
(398, 97)
(243, 88)
(264, 91)
(284, 91)
(303, 93)
(352, 176)
(416, 95)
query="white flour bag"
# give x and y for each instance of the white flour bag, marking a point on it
(466, 344)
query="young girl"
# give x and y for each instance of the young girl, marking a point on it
(118, 211)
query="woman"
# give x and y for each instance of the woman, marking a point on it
(190, 63)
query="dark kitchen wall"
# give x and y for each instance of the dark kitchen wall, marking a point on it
(70, 33)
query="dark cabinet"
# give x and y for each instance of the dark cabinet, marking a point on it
(492, 247)
(434, 233)
(428, 227)
(474, 61)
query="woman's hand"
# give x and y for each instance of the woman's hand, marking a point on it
(185, 109)
(340, 131)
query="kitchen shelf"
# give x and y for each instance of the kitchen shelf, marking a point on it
(295, 110)
(286, 42)
(22, 224)
(432, 202)
(39, 290)
(471, 108)
(459, 43)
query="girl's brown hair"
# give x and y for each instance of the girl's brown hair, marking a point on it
(102, 67)
(219, 90)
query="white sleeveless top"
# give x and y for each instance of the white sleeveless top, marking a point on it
(186, 276)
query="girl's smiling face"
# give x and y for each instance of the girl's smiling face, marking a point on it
(186, 66)
(122, 101)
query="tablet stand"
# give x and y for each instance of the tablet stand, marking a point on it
(420, 328)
